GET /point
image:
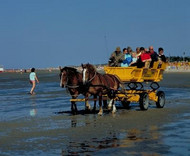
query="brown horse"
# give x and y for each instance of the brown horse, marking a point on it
(71, 79)
(100, 84)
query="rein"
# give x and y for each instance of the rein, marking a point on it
(92, 77)
(99, 85)
(69, 86)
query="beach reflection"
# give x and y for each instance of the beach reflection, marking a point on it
(74, 122)
(128, 142)
(87, 120)
(33, 110)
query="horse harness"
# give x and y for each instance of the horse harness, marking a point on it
(89, 84)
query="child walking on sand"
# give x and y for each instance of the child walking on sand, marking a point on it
(33, 79)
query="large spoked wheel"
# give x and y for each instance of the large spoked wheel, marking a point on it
(161, 99)
(144, 101)
(126, 104)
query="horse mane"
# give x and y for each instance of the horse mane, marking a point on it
(91, 67)
(69, 69)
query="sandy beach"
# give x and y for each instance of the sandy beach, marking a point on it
(54, 131)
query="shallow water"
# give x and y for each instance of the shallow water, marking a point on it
(41, 124)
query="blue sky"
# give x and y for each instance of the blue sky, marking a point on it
(49, 33)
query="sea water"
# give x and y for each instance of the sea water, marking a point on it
(25, 119)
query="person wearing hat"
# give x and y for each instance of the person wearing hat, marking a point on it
(116, 58)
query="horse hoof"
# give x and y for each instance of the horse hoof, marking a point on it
(87, 109)
(113, 112)
(74, 113)
(100, 113)
(109, 108)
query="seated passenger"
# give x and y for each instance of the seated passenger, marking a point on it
(139, 62)
(153, 55)
(138, 53)
(145, 58)
(129, 50)
(127, 58)
(134, 58)
(116, 58)
(161, 56)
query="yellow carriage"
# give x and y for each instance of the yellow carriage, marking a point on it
(134, 79)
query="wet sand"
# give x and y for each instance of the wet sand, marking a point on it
(128, 132)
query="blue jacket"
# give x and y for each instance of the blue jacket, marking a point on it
(127, 61)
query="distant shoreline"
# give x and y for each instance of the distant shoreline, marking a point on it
(177, 71)
(99, 69)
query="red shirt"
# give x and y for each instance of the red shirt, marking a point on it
(145, 56)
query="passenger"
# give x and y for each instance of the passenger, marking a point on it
(116, 58)
(138, 52)
(129, 50)
(145, 58)
(134, 58)
(161, 55)
(153, 55)
(127, 57)
(139, 62)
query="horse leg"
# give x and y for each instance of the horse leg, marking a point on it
(87, 105)
(74, 106)
(72, 109)
(110, 104)
(114, 108)
(105, 104)
(100, 105)
(95, 99)
(113, 103)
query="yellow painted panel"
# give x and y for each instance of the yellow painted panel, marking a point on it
(134, 74)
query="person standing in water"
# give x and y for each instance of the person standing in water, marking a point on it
(33, 79)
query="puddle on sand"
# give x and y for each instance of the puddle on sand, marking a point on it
(132, 141)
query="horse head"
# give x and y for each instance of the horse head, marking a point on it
(67, 75)
(63, 77)
(88, 72)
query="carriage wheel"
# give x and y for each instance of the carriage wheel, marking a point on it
(161, 99)
(126, 104)
(144, 101)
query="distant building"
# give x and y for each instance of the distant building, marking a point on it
(1, 69)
